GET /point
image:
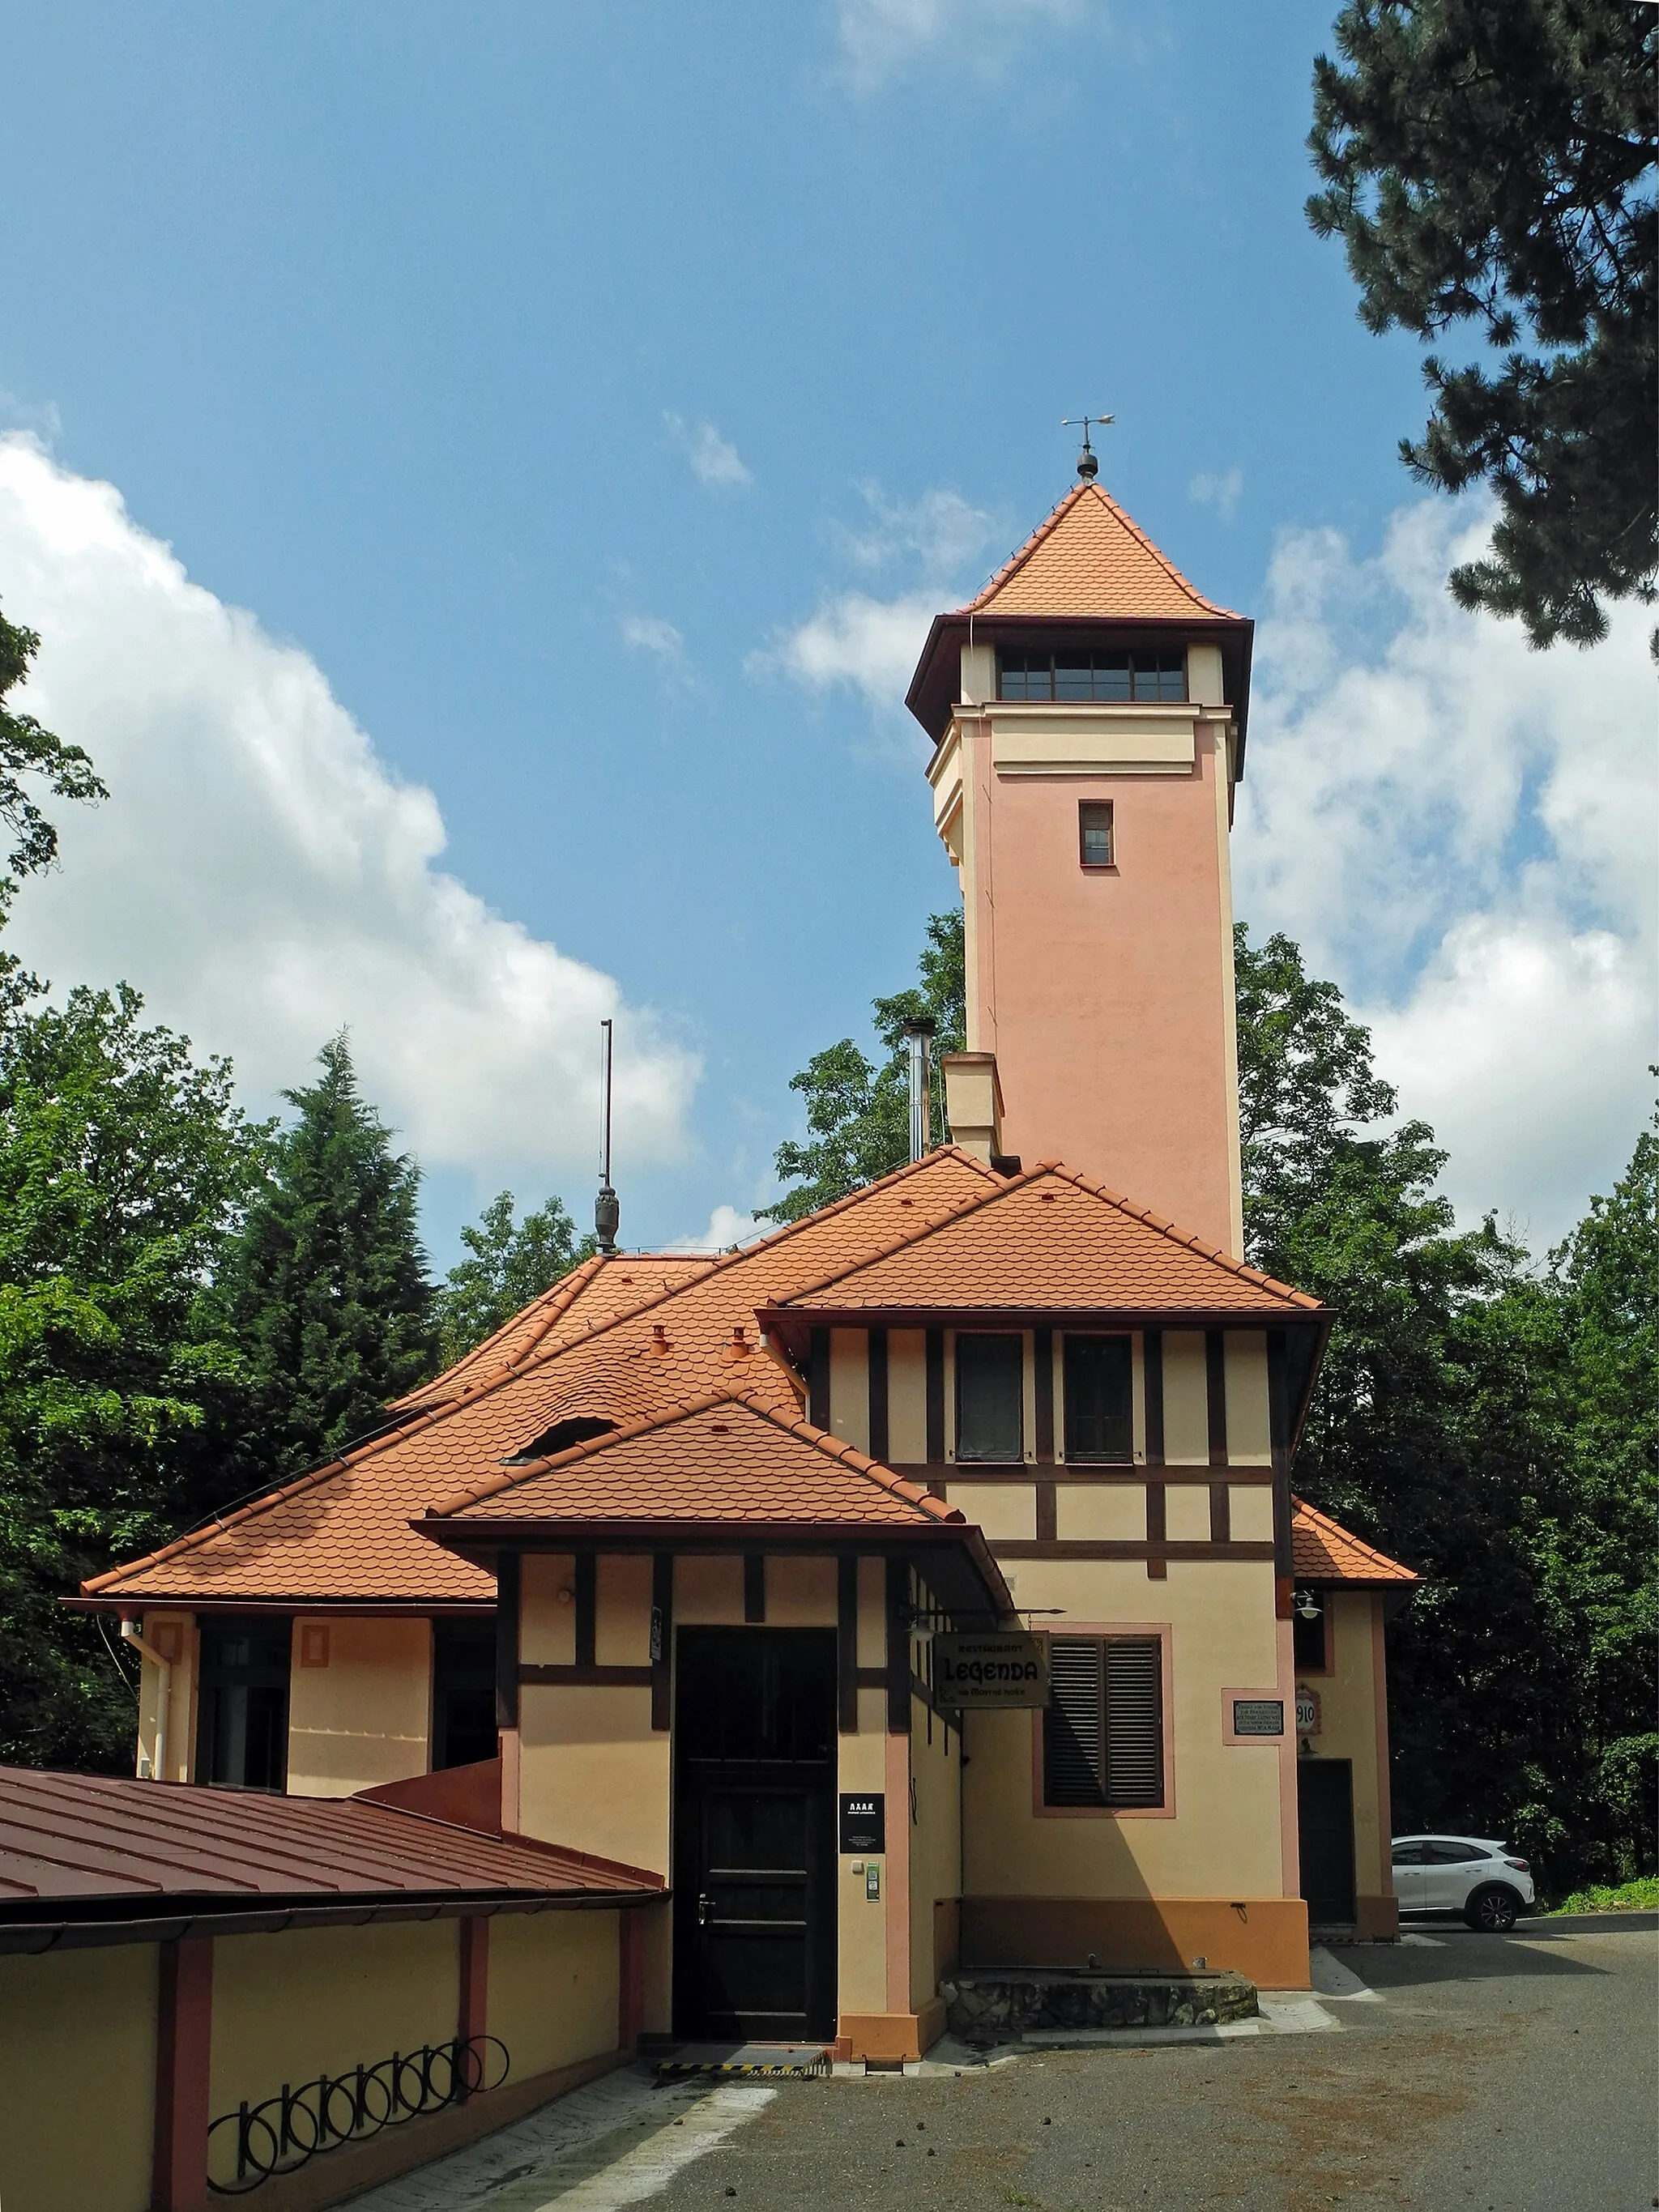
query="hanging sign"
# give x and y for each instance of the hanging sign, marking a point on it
(972, 1673)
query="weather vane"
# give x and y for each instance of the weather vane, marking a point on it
(1087, 465)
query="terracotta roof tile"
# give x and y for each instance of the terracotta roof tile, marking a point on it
(1048, 1240)
(341, 1533)
(1090, 559)
(1323, 1552)
(719, 1458)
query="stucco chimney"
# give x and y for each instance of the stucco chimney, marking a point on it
(973, 1103)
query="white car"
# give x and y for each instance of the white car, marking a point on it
(1470, 1875)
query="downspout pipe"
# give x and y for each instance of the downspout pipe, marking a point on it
(131, 1633)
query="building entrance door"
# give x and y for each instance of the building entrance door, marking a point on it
(1324, 1796)
(754, 1834)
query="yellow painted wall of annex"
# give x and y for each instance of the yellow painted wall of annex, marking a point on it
(554, 1987)
(77, 2089)
(360, 1704)
(1347, 1699)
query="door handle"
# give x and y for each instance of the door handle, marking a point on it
(702, 1909)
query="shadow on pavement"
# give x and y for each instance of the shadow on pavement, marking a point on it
(1463, 1956)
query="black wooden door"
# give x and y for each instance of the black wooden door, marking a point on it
(1324, 1798)
(754, 1879)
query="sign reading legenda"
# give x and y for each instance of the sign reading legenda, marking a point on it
(971, 1672)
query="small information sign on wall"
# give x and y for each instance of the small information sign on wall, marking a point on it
(971, 1673)
(863, 1821)
(1307, 1710)
(1258, 1715)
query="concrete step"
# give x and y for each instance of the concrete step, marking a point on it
(995, 2004)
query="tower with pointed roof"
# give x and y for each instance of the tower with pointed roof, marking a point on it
(1088, 714)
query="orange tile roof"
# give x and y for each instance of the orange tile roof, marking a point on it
(598, 1290)
(1323, 1552)
(721, 1458)
(1049, 1241)
(341, 1533)
(1090, 559)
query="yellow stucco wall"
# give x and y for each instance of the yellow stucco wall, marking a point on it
(1348, 1699)
(1249, 1441)
(1186, 1399)
(593, 1773)
(935, 1843)
(1224, 1836)
(363, 1715)
(307, 2001)
(553, 1987)
(547, 1615)
(849, 1386)
(78, 2087)
(860, 1922)
(907, 1396)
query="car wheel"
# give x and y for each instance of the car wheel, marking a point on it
(1492, 1910)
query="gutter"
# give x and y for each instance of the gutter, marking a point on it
(32, 1937)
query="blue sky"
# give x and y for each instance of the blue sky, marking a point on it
(595, 397)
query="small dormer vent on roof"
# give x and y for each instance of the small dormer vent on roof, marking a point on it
(560, 1437)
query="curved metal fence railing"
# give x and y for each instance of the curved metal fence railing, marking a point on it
(248, 2146)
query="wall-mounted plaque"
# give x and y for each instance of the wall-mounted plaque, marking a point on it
(863, 1821)
(1258, 1715)
(972, 1672)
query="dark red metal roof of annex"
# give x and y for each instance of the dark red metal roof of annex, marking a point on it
(122, 1856)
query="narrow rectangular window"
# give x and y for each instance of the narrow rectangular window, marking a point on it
(1103, 1728)
(241, 1733)
(990, 1397)
(1099, 1402)
(463, 1692)
(1094, 832)
(1307, 1632)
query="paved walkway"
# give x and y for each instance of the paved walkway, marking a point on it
(1455, 2072)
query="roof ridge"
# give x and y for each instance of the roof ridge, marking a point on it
(1004, 1184)
(834, 1448)
(560, 1296)
(1022, 554)
(1189, 1240)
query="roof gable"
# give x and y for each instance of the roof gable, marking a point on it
(1049, 1241)
(721, 1458)
(1090, 559)
(1322, 1550)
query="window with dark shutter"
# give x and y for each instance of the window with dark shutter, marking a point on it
(990, 1397)
(1103, 1728)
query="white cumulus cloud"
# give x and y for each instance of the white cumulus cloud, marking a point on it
(264, 877)
(1463, 832)
(1221, 490)
(713, 460)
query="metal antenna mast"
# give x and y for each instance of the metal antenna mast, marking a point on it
(1087, 467)
(607, 1211)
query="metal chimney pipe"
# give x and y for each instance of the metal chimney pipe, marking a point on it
(918, 1035)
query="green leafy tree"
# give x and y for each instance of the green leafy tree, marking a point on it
(1489, 164)
(858, 1110)
(328, 1292)
(29, 756)
(511, 1263)
(123, 1169)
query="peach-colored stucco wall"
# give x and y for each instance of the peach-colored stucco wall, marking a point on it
(1105, 994)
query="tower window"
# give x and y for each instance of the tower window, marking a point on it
(1121, 679)
(1094, 829)
(990, 1397)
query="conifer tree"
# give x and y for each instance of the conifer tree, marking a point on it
(330, 1292)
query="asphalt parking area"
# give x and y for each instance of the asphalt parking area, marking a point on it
(1484, 2074)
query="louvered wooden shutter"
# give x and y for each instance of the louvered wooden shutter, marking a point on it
(1073, 1740)
(1134, 1721)
(1103, 1729)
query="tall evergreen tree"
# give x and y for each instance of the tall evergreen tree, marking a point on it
(1489, 166)
(329, 1289)
(510, 1263)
